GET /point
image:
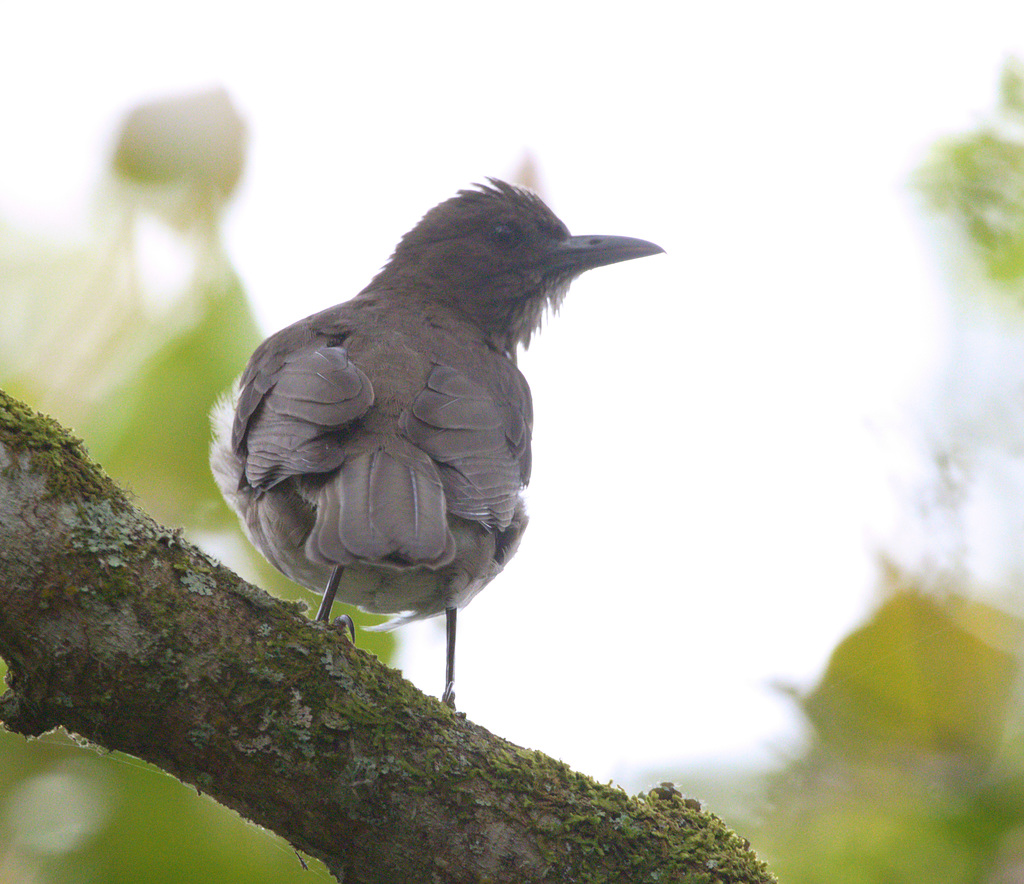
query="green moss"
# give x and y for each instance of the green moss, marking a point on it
(60, 458)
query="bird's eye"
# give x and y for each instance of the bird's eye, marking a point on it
(505, 235)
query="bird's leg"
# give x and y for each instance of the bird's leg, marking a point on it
(330, 591)
(448, 697)
(324, 614)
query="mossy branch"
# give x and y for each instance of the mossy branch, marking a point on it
(119, 631)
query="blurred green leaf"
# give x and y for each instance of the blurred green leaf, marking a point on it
(915, 678)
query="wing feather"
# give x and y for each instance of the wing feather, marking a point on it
(479, 439)
(293, 411)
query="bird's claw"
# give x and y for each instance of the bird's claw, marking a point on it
(348, 623)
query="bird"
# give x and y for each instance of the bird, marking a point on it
(377, 451)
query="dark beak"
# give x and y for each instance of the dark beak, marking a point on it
(581, 253)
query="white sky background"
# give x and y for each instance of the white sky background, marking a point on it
(708, 490)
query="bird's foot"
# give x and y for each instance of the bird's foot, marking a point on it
(448, 697)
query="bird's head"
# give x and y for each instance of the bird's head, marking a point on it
(500, 257)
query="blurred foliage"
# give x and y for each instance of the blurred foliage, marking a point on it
(913, 767)
(914, 770)
(912, 773)
(69, 815)
(977, 181)
(132, 356)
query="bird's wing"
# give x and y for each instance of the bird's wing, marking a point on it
(291, 410)
(480, 438)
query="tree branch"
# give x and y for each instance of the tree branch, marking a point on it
(119, 631)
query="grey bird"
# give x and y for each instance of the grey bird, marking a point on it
(378, 450)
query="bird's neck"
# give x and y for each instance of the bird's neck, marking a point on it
(423, 311)
(509, 324)
(504, 323)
